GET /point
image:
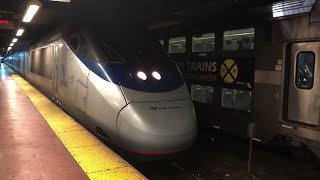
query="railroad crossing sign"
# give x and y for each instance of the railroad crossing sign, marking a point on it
(229, 71)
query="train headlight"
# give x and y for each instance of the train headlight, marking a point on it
(142, 75)
(156, 75)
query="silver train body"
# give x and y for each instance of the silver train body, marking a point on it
(142, 116)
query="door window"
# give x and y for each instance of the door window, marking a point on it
(305, 70)
(240, 39)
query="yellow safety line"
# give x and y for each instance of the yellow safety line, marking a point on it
(94, 157)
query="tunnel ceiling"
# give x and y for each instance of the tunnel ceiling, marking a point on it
(117, 13)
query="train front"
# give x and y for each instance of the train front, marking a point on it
(159, 117)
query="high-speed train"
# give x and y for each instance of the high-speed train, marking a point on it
(125, 89)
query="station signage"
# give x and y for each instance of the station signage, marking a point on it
(227, 71)
(2, 21)
(6, 24)
(201, 71)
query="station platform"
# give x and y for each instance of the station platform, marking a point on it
(40, 141)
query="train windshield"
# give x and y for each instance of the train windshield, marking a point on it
(136, 51)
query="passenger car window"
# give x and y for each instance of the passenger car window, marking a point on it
(202, 93)
(241, 39)
(177, 45)
(161, 42)
(203, 43)
(236, 99)
(305, 70)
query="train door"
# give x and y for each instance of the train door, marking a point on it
(56, 69)
(304, 84)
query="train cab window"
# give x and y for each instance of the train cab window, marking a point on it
(112, 55)
(305, 70)
(177, 45)
(236, 99)
(203, 43)
(202, 93)
(141, 51)
(236, 40)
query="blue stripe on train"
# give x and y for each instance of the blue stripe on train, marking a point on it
(126, 75)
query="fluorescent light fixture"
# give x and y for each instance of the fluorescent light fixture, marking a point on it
(239, 34)
(61, 0)
(32, 8)
(142, 75)
(201, 38)
(14, 40)
(11, 44)
(177, 41)
(291, 7)
(156, 75)
(9, 48)
(20, 32)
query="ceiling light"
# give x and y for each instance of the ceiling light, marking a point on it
(14, 40)
(142, 75)
(288, 8)
(156, 75)
(11, 44)
(61, 0)
(9, 48)
(32, 8)
(20, 32)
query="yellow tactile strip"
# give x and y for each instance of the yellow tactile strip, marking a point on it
(94, 157)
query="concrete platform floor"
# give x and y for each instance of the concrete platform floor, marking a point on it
(29, 149)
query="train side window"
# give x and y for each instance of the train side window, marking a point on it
(177, 45)
(240, 39)
(41, 62)
(203, 43)
(305, 70)
(236, 99)
(161, 42)
(202, 93)
(74, 42)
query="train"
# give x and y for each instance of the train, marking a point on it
(125, 89)
(253, 76)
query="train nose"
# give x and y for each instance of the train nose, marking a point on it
(157, 127)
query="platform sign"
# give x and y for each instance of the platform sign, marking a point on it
(4, 21)
(6, 24)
